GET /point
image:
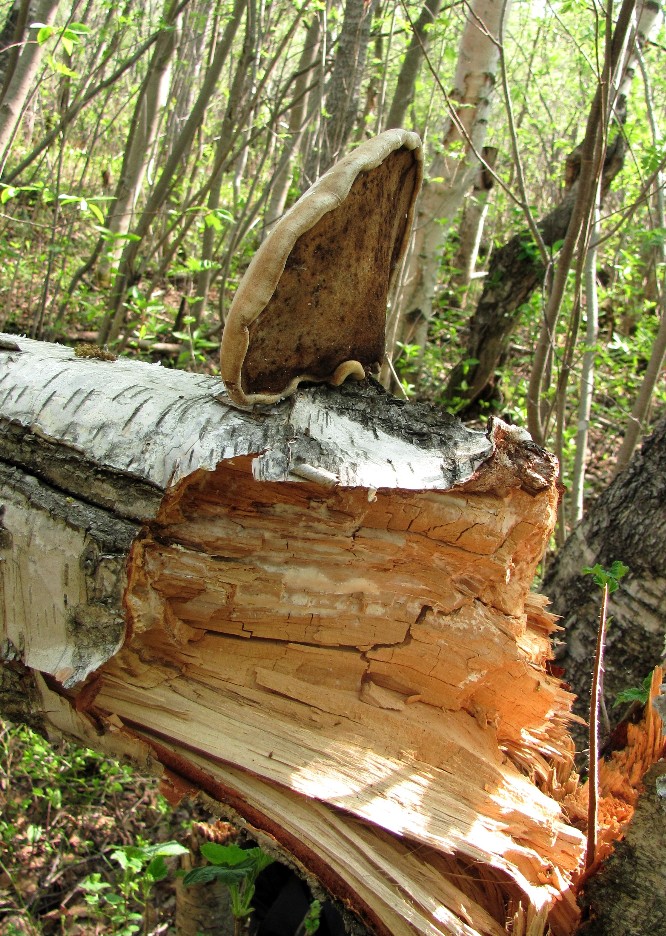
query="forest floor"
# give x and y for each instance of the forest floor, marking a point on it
(65, 812)
(77, 834)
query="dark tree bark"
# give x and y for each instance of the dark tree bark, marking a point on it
(342, 93)
(628, 896)
(627, 522)
(404, 89)
(514, 272)
(11, 33)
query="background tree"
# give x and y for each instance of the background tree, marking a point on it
(627, 522)
(340, 103)
(454, 166)
(19, 78)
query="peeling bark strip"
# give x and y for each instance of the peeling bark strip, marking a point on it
(352, 663)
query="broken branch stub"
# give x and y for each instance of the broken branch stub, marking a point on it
(312, 303)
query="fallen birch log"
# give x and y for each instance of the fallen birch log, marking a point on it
(319, 614)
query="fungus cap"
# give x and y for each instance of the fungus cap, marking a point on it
(312, 303)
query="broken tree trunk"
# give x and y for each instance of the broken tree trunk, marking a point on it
(317, 614)
(626, 522)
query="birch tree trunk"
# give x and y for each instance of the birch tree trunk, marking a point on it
(151, 102)
(20, 84)
(470, 231)
(319, 614)
(453, 169)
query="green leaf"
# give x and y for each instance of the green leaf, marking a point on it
(312, 918)
(216, 873)
(157, 870)
(211, 220)
(94, 210)
(127, 858)
(618, 570)
(635, 693)
(8, 191)
(607, 578)
(60, 68)
(146, 852)
(227, 855)
(598, 573)
(45, 32)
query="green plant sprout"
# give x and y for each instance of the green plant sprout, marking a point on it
(607, 578)
(609, 581)
(237, 868)
(142, 867)
(311, 920)
(635, 693)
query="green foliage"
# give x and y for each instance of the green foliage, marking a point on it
(141, 867)
(312, 919)
(57, 810)
(607, 578)
(237, 868)
(635, 693)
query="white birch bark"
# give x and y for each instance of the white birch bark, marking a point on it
(453, 169)
(470, 231)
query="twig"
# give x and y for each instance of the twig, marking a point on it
(595, 704)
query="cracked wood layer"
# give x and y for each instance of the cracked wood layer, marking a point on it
(318, 614)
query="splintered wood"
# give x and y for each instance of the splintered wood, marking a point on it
(378, 654)
(318, 615)
(636, 746)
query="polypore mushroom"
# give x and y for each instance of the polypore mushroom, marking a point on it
(312, 303)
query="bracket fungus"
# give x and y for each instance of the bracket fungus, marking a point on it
(312, 303)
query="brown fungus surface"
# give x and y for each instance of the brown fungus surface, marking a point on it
(312, 304)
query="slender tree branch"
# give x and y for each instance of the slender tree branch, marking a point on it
(595, 705)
